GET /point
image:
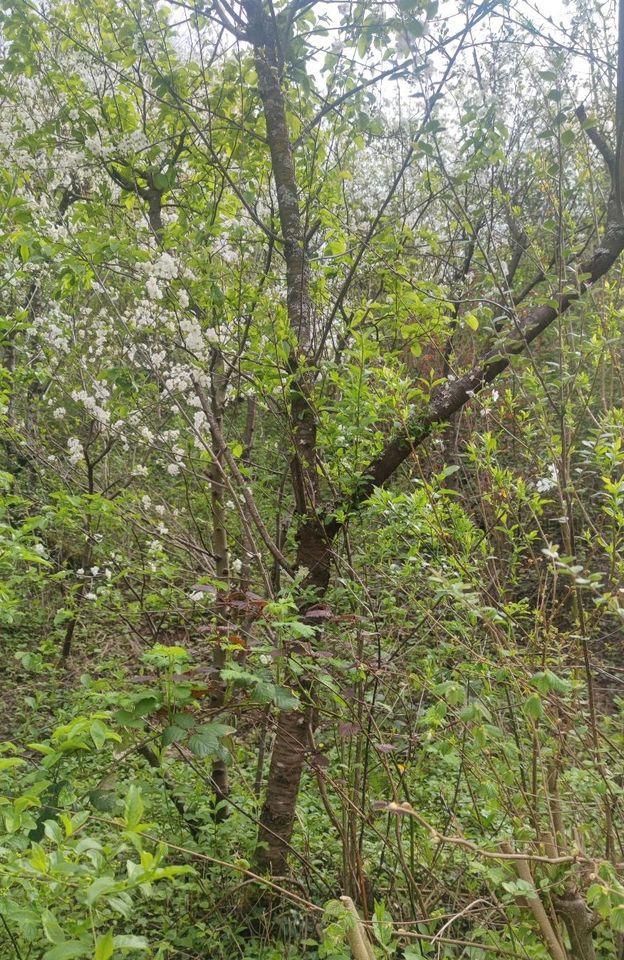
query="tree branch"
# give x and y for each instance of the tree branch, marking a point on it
(598, 140)
(451, 396)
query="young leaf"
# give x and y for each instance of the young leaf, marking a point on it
(104, 946)
(134, 807)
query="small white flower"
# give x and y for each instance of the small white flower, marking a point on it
(551, 551)
(237, 566)
(549, 482)
(80, 572)
(173, 469)
(94, 571)
(59, 413)
(90, 596)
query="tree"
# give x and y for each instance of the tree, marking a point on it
(183, 219)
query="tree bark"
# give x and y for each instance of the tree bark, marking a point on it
(579, 923)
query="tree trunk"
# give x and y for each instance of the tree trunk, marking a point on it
(579, 923)
(293, 726)
(313, 551)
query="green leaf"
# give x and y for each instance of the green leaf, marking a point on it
(129, 942)
(202, 746)
(451, 691)
(7, 762)
(98, 887)
(520, 888)
(98, 733)
(134, 807)
(104, 946)
(184, 720)
(27, 920)
(51, 927)
(66, 950)
(617, 918)
(205, 743)
(284, 699)
(39, 858)
(533, 707)
(53, 832)
(171, 734)
(547, 681)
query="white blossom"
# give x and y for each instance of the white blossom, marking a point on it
(75, 450)
(549, 482)
(153, 289)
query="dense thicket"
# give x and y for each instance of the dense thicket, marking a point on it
(311, 480)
